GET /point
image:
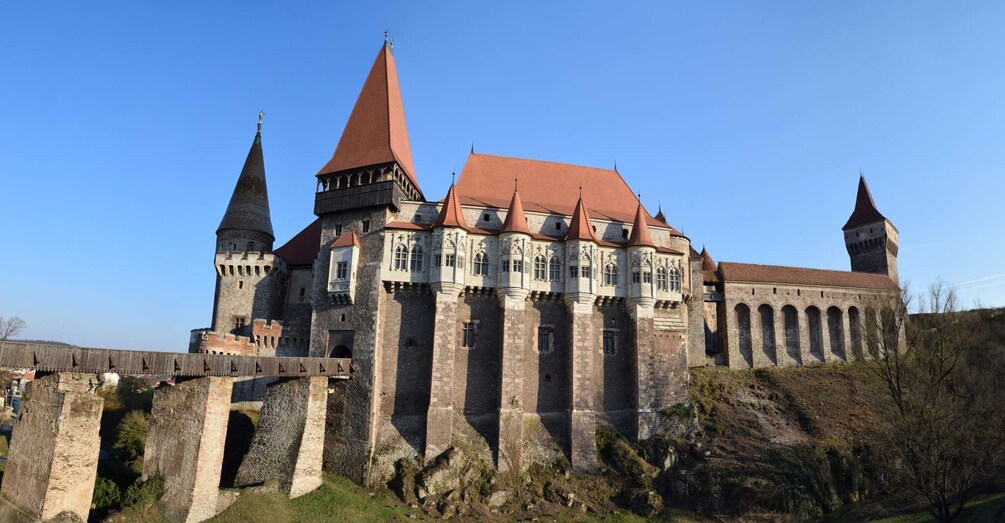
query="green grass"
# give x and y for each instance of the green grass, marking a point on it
(979, 511)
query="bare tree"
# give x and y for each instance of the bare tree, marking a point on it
(10, 327)
(948, 435)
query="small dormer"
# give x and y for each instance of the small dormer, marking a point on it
(342, 268)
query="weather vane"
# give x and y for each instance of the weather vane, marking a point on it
(261, 115)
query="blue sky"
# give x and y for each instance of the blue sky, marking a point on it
(124, 125)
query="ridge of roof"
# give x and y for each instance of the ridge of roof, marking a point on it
(516, 220)
(451, 214)
(865, 208)
(580, 227)
(248, 208)
(748, 272)
(303, 247)
(640, 236)
(376, 131)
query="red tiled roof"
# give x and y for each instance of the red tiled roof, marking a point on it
(450, 213)
(745, 272)
(865, 208)
(303, 248)
(580, 227)
(710, 273)
(376, 132)
(640, 231)
(346, 239)
(548, 187)
(516, 220)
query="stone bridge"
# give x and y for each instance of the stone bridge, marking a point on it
(54, 446)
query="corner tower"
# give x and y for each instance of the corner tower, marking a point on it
(247, 224)
(359, 190)
(871, 239)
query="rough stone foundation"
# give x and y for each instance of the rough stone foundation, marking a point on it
(188, 430)
(289, 441)
(54, 447)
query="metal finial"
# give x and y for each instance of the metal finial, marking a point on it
(385, 37)
(453, 176)
(516, 184)
(472, 147)
(580, 191)
(615, 165)
(261, 115)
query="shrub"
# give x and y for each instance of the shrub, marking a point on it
(144, 493)
(132, 434)
(106, 494)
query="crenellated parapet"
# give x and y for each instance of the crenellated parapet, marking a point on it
(249, 264)
(264, 340)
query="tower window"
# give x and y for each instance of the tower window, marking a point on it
(517, 265)
(610, 342)
(238, 322)
(400, 258)
(554, 269)
(662, 283)
(584, 272)
(636, 278)
(481, 264)
(624, 233)
(410, 343)
(416, 261)
(540, 271)
(303, 291)
(558, 226)
(545, 338)
(647, 277)
(469, 333)
(240, 284)
(486, 217)
(366, 225)
(573, 271)
(341, 273)
(338, 230)
(504, 266)
(448, 260)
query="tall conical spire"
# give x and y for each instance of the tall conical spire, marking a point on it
(865, 208)
(580, 227)
(376, 132)
(640, 230)
(659, 215)
(451, 214)
(516, 220)
(248, 209)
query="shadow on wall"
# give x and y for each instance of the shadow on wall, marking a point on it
(413, 368)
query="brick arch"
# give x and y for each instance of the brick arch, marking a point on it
(815, 326)
(790, 317)
(742, 314)
(767, 325)
(835, 332)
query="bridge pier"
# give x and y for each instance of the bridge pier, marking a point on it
(185, 441)
(54, 447)
(289, 442)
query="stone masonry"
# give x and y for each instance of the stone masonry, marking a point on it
(289, 440)
(54, 447)
(185, 441)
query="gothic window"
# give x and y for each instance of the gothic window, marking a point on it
(661, 278)
(611, 274)
(554, 269)
(341, 271)
(540, 271)
(504, 266)
(448, 260)
(517, 265)
(436, 260)
(469, 333)
(545, 338)
(400, 258)
(610, 342)
(416, 263)
(674, 280)
(647, 277)
(481, 264)
(636, 277)
(585, 271)
(573, 271)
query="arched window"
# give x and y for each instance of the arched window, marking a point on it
(662, 283)
(743, 334)
(816, 333)
(610, 274)
(767, 315)
(400, 258)
(481, 264)
(674, 280)
(540, 270)
(416, 262)
(835, 329)
(554, 269)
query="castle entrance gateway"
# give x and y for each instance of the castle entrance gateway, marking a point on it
(54, 446)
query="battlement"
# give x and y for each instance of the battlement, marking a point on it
(250, 264)
(265, 337)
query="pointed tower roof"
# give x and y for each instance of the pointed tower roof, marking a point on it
(580, 227)
(516, 220)
(450, 214)
(640, 230)
(376, 132)
(707, 263)
(865, 208)
(659, 215)
(248, 209)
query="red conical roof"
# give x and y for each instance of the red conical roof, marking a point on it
(376, 132)
(707, 263)
(640, 231)
(580, 227)
(450, 214)
(865, 208)
(516, 220)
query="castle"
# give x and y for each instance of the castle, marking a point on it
(534, 302)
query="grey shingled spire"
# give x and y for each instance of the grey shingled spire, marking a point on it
(248, 209)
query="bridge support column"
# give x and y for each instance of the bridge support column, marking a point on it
(582, 408)
(289, 442)
(188, 429)
(54, 447)
(513, 303)
(646, 416)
